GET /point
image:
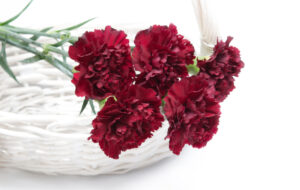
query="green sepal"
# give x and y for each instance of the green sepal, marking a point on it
(74, 70)
(193, 69)
(102, 102)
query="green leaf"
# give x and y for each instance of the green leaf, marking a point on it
(32, 32)
(59, 65)
(49, 48)
(15, 17)
(65, 57)
(75, 26)
(63, 67)
(92, 106)
(4, 65)
(86, 100)
(32, 59)
(60, 43)
(36, 36)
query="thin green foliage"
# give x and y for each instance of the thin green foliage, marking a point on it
(84, 103)
(15, 17)
(92, 106)
(4, 65)
(75, 26)
(32, 59)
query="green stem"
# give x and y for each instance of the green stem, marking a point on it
(31, 31)
(55, 50)
(67, 69)
(30, 41)
(55, 35)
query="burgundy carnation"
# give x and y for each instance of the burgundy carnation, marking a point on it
(105, 66)
(128, 122)
(192, 112)
(222, 66)
(161, 55)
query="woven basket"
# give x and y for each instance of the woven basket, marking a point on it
(40, 126)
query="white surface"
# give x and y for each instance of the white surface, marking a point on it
(257, 145)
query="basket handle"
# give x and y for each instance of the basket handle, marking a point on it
(207, 26)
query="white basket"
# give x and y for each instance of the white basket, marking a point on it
(40, 126)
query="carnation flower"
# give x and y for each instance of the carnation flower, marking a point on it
(222, 66)
(105, 66)
(126, 123)
(192, 112)
(161, 55)
(159, 83)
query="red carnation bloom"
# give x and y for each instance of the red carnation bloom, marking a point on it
(161, 55)
(159, 83)
(105, 66)
(192, 113)
(128, 122)
(222, 66)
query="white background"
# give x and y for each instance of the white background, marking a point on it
(258, 142)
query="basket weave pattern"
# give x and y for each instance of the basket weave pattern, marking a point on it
(40, 126)
(40, 129)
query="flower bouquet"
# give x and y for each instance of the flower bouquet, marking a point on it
(149, 99)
